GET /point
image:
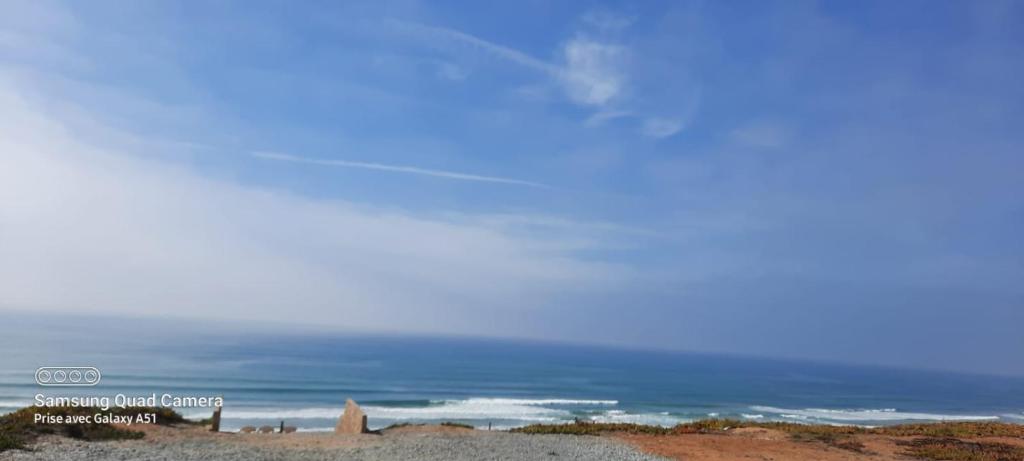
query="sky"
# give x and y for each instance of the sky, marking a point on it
(822, 180)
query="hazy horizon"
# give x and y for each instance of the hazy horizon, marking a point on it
(833, 182)
(176, 330)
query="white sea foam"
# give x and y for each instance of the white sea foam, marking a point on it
(526, 410)
(483, 409)
(15, 403)
(863, 415)
(315, 429)
(539, 402)
(299, 429)
(516, 412)
(273, 413)
(654, 419)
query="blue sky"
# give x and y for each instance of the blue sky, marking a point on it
(821, 180)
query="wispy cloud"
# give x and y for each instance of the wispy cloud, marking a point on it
(242, 251)
(452, 36)
(658, 127)
(607, 21)
(592, 73)
(591, 69)
(396, 169)
(601, 117)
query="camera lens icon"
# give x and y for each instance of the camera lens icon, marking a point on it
(67, 376)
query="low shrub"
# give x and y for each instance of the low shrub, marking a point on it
(587, 428)
(948, 448)
(842, 437)
(18, 429)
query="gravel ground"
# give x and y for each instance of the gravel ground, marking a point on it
(489, 446)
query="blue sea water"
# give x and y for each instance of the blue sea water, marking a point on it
(304, 379)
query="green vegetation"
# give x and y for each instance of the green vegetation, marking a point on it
(585, 428)
(19, 428)
(446, 423)
(960, 429)
(400, 425)
(964, 429)
(940, 443)
(10, 442)
(952, 449)
(705, 426)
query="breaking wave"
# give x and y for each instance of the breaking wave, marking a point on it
(512, 412)
(854, 416)
(663, 419)
(527, 410)
(483, 409)
(502, 401)
(500, 413)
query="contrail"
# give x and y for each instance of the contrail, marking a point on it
(396, 169)
(456, 36)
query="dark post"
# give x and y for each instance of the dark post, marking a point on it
(282, 427)
(215, 421)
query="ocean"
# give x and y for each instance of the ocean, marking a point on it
(304, 379)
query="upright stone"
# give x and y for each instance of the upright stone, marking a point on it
(215, 421)
(352, 421)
